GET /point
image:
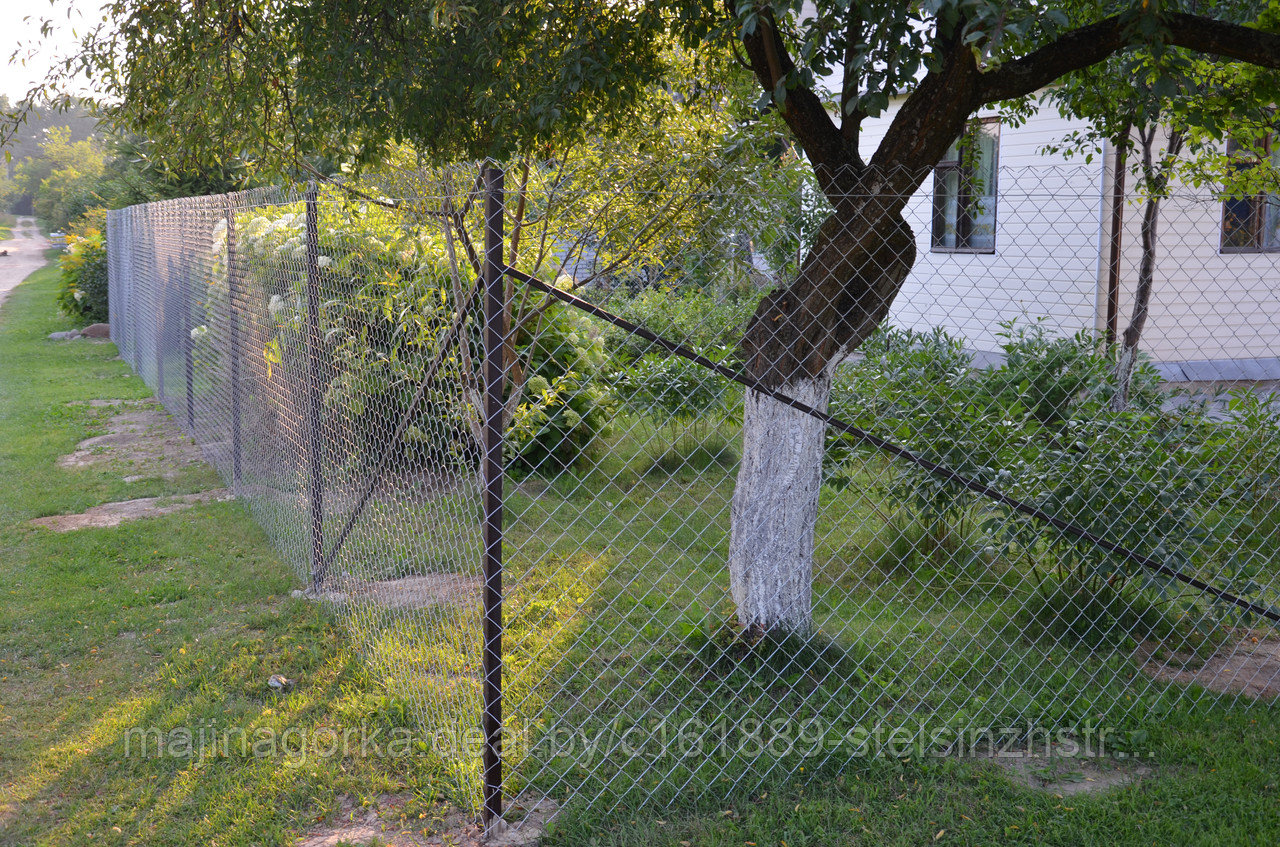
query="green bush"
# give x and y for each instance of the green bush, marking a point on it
(1103, 616)
(687, 315)
(83, 293)
(565, 404)
(1040, 428)
(388, 297)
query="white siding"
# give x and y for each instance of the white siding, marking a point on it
(1046, 262)
(1049, 263)
(1205, 305)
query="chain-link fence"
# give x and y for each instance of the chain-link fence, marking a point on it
(756, 514)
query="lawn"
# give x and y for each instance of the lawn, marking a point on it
(169, 622)
(178, 621)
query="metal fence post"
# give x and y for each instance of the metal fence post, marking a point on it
(161, 285)
(188, 343)
(314, 473)
(233, 341)
(131, 271)
(494, 295)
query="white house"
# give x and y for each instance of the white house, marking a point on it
(1034, 241)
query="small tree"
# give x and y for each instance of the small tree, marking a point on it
(1175, 112)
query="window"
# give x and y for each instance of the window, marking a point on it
(964, 192)
(1251, 223)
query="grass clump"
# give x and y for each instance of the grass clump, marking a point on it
(1099, 615)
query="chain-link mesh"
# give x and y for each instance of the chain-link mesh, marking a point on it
(706, 587)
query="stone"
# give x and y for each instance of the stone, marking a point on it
(69, 335)
(97, 331)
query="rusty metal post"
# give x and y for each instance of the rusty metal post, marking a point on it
(233, 343)
(1120, 163)
(315, 479)
(494, 308)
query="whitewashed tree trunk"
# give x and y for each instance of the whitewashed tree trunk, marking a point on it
(775, 508)
(1124, 377)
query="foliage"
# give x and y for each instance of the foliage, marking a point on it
(1252, 447)
(347, 80)
(1040, 428)
(83, 293)
(921, 382)
(1050, 375)
(670, 388)
(564, 407)
(689, 314)
(389, 292)
(62, 179)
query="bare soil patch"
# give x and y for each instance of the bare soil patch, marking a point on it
(411, 592)
(385, 823)
(140, 439)
(1249, 666)
(114, 514)
(1067, 776)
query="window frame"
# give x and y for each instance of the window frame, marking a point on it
(964, 167)
(1257, 203)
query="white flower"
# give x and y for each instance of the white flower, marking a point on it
(199, 332)
(276, 306)
(324, 261)
(79, 295)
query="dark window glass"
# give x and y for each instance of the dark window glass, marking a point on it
(964, 192)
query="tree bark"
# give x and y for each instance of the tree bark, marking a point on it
(1157, 182)
(1141, 307)
(775, 509)
(794, 343)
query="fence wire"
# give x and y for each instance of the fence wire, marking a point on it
(707, 589)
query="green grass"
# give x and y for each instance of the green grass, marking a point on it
(618, 615)
(7, 223)
(1212, 782)
(169, 622)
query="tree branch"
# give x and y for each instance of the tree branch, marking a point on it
(851, 120)
(929, 121)
(1091, 44)
(802, 110)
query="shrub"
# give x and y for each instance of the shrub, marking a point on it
(83, 293)
(1050, 376)
(1104, 616)
(1040, 428)
(388, 296)
(564, 405)
(687, 315)
(919, 389)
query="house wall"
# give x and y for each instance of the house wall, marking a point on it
(1214, 315)
(1219, 313)
(1046, 264)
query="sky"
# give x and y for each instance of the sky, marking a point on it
(71, 18)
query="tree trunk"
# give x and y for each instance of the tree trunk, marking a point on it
(1141, 307)
(1156, 182)
(796, 339)
(775, 508)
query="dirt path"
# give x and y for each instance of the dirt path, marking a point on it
(26, 255)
